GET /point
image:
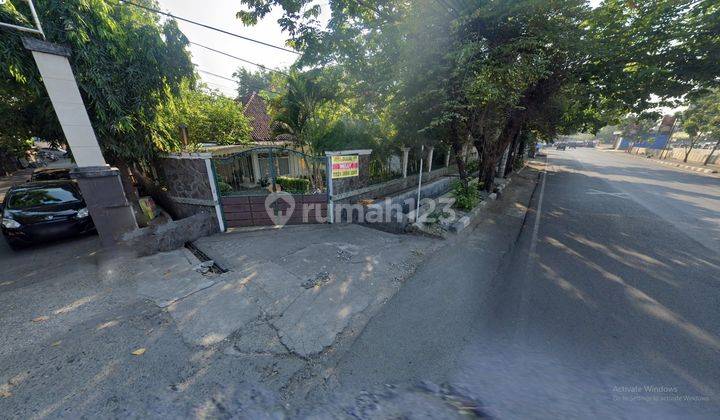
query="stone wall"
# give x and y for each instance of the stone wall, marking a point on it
(393, 187)
(171, 235)
(393, 210)
(187, 185)
(344, 185)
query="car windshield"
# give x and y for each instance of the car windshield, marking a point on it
(47, 176)
(25, 199)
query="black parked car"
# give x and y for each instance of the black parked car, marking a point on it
(49, 174)
(41, 211)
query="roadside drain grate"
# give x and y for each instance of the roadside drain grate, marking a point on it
(214, 268)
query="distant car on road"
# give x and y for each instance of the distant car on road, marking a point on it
(42, 211)
(49, 174)
(561, 146)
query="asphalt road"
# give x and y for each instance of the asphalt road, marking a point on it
(605, 307)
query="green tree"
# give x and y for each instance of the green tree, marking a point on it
(251, 81)
(702, 121)
(124, 59)
(295, 109)
(649, 54)
(498, 73)
(208, 116)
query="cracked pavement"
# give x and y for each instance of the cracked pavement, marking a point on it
(249, 337)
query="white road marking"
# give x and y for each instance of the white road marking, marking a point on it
(532, 255)
(619, 194)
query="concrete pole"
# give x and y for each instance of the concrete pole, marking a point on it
(406, 155)
(100, 184)
(447, 157)
(255, 167)
(431, 149)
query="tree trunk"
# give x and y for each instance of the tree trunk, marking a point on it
(128, 184)
(487, 176)
(692, 144)
(492, 154)
(510, 164)
(707, 159)
(457, 138)
(462, 169)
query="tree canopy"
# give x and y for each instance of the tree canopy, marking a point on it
(209, 117)
(125, 62)
(498, 74)
(251, 81)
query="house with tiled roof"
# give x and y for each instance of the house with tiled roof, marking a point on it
(249, 164)
(255, 108)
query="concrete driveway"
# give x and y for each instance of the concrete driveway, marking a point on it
(88, 334)
(307, 283)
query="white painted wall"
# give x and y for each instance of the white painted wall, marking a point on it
(69, 107)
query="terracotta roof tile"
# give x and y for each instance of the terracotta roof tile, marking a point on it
(256, 109)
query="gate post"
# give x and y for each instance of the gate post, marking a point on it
(272, 170)
(328, 174)
(215, 189)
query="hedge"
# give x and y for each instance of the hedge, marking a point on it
(293, 185)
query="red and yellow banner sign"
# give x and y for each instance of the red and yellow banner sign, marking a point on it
(345, 166)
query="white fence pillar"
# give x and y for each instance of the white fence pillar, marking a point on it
(406, 154)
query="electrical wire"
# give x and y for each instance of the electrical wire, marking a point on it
(160, 12)
(237, 58)
(216, 75)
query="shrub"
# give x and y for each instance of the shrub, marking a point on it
(225, 188)
(466, 197)
(472, 166)
(293, 185)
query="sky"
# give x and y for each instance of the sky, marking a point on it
(221, 14)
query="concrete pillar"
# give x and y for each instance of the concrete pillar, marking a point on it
(100, 184)
(255, 167)
(406, 155)
(431, 149)
(447, 157)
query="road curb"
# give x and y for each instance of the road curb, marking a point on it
(688, 167)
(466, 220)
(680, 165)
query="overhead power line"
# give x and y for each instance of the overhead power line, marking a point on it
(160, 12)
(234, 90)
(237, 58)
(216, 75)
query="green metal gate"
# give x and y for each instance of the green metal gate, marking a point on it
(247, 178)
